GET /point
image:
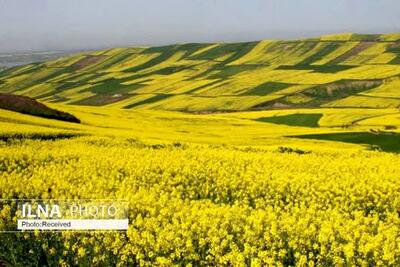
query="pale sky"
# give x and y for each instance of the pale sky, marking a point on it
(38, 25)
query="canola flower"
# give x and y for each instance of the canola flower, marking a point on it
(218, 76)
(199, 205)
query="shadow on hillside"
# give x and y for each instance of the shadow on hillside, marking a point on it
(385, 141)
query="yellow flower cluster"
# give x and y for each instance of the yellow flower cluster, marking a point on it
(198, 205)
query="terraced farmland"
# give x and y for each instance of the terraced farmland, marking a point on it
(332, 71)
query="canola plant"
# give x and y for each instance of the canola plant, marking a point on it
(207, 205)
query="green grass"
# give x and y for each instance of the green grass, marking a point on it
(100, 100)
(396, 60)
(303, 120)
(327, 49)
(237, 49)
(340, 89)
(225, 72)
(267, 88)
(318, 95)
(10, 71)
(395, 48)
(316, 68)
(389, 142)
(243, 50)
(110, 61)
(149, 100)
(153, 62)
(365, 37)
(113, 86)
(170, 70)
(191, 48)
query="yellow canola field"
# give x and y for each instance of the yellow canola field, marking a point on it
(210, 205)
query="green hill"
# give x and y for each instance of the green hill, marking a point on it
(346, 70)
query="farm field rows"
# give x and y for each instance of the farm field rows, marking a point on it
(326, 71)
(269, 153)
(256, 128)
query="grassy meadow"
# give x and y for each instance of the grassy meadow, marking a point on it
(269, 153)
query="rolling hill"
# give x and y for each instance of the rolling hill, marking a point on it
(340, 71)
(27, 105)
(335, 91)
(284, 180)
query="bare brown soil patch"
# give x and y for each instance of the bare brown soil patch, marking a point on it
(352, 52)
(87, 61)
(101, 100)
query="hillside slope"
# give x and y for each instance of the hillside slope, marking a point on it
(27, 105)
(347, 70)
